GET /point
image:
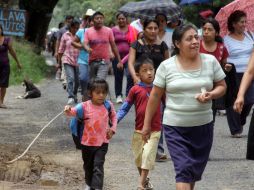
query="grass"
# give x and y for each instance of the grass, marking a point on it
(33, 65)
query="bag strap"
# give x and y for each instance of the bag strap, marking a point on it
(80, 111)
(250, 34)
(108, 107)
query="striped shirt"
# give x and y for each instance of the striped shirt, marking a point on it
(70, 53)
(182, 108)
(239, 51)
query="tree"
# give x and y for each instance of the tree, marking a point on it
(39, 14)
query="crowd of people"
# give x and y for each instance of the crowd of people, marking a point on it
(177, 80)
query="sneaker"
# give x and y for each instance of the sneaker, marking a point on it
(70, 101)
(162, 157)
(119, 99)
(148, 184)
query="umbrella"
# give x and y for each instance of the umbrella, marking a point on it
(185, 2)
(150, 8)
(245, 5)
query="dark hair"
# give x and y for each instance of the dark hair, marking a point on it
(74, 23)
(178, 34)
(148, 21)
(161, 14)
(97, 13)
(235, 17)
(143, 59)
(67, 17)
(121, 13)
(216, 27)
(60, 25)
(98, 83)
(2, 30)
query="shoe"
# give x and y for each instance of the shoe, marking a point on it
(161, 157)
(237, 135)
(70, 101)
(119, 99)
(148, 184)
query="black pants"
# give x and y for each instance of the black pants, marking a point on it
(94, 158)
(250, 143)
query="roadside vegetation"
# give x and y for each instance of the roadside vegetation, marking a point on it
(33, 65)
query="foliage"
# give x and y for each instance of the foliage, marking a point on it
(78, 8)
(33, 65)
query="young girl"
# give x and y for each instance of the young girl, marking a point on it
(97, 132)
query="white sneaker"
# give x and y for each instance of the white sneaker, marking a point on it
(70, 101)
(119, 100)
(87, 187)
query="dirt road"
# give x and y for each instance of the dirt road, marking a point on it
(53, 163)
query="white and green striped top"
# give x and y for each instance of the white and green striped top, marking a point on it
(182, 108)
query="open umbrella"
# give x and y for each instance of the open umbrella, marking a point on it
(186, 2)
(244, 5)
(150, 8)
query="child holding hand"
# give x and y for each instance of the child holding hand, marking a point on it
(144, 153)
(97, 132)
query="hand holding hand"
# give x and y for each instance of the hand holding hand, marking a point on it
(110, 133)
(120, 65)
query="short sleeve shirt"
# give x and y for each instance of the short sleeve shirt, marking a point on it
(83, 54)
(182, 108)
(220, 52)
(154, 52)
(99, 41)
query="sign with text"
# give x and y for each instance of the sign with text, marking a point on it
(13, 21)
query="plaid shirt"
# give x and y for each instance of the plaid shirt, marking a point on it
(70, 54)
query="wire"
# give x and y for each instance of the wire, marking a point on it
(14, 160)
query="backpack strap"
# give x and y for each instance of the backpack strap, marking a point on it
(80, 111)
(108, 107)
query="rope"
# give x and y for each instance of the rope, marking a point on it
(14, 160)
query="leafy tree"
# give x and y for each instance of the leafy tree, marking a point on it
(39, 13)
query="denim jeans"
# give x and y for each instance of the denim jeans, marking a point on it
(83, 77)
(98, 69)
(72, 73)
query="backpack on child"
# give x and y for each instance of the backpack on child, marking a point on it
(77, 123)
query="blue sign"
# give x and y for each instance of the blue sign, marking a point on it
(13, 22)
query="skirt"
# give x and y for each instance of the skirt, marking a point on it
(189, 148)
(4, 75)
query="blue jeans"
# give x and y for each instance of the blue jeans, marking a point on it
(118, 73)
(83, 77)
(72, 73)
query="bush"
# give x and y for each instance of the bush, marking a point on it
(33, 65)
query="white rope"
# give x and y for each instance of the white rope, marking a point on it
(14, 160)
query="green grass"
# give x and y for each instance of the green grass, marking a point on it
(33, 65)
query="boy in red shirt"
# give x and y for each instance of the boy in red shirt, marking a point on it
(139, 94)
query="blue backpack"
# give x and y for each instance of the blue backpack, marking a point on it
(77, 123)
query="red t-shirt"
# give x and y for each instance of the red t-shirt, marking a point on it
(99, 41)
(220, 52)
(139, 95)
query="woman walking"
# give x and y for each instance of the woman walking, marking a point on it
(5, 47)
(239, 44)
(191, 81)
